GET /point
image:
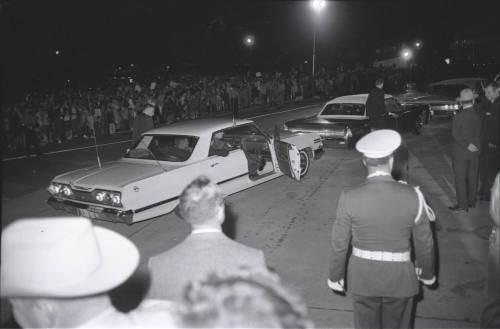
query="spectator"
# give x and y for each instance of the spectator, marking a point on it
(242, 300)
(143, 122)
(57, 274)
(205, 250)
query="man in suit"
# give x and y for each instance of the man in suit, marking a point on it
(205, 250)
(488, 158)
(382, 216)
(375, 106)
(466, 132)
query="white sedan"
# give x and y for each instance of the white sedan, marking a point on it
(149, 179)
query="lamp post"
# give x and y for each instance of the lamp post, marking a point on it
(317, 6)
(249, 41)
(407, 55)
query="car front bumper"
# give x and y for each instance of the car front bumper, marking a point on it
(324, 133)
(92, 212)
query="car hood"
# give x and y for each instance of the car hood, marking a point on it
(111, 175)
(423, 98)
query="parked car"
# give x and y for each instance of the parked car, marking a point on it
(344, 119)
(149, 179)
(432, 104)
(451, 89)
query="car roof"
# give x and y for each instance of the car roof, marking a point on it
(457, 81)
(358, 98)
(198, 127)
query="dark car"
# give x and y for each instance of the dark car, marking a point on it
(344, 119)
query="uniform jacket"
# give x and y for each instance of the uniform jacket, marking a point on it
(466, 129)
(194, 258)
(379, 215)
(375, 103)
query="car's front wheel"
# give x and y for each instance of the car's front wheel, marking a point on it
(305, 162)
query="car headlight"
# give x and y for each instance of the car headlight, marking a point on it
(100, 196)
(455, 107)
(54, 188)
(66, 191)
(115, 198)
(108, 197)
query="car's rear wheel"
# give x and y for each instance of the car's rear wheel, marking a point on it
(305, 162)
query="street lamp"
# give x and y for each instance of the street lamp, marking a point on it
(57, 52)
(317, 6)
(249, 41)
(418, 44)
(407, 54)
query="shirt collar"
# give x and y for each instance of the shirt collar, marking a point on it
(378, 173)
(206, 230)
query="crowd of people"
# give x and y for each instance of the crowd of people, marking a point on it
(55, 118)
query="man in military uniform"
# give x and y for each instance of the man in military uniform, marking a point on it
(382, 216)
(466, 131)
(375, 106)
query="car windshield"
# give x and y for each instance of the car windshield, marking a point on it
(447, 90)
(173, 148)
(344, 109)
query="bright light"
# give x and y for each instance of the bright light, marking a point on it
(249, 40)
(418, 44)
(406, 54)
(131, 65)
(100, 196)
(447, 61)
(67, 191)
(57, 52)
(318, 5)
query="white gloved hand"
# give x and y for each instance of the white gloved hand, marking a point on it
(337, 285)
(428, 282)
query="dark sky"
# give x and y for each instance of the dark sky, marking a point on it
(95, 35)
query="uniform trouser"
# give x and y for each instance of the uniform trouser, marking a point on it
(382, 312)
(488, 168)
(466, 177)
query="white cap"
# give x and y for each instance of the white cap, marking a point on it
(379, 143)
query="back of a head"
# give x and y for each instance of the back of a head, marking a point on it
(242, 301)
(201, 202)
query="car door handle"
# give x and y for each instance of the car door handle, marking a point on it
(214, 164)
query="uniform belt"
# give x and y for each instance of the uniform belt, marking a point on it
(384, 256)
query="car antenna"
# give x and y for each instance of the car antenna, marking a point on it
(151, 152)
(97, 150)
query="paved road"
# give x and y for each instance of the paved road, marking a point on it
(291, 222)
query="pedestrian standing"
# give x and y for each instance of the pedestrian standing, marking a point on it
(375, 106)
(488, 158)
(31, 130)
(381, 277)
(143, 122)
(466, 131)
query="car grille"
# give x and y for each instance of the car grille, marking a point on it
(82, 196)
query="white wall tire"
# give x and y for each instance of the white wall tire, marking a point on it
(305, 162)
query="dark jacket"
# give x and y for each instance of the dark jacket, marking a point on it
(466, 129)
(142, 123)
(380, 215)
(375, 104)
(490, 122)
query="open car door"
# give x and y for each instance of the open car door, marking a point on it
(288, 158)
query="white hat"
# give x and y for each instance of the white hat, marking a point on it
(379, 143)
(149, 111)
(63, 257)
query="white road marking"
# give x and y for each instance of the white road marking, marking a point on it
(69, 150)
(128, 141)
(285, 111)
